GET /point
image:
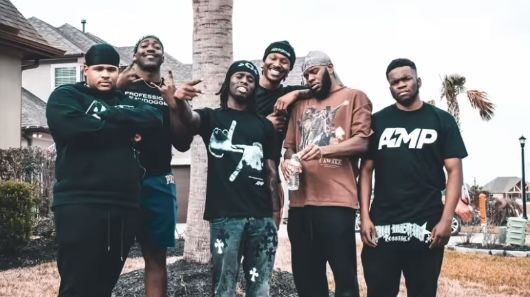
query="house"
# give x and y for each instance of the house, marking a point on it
(35, 130)
(21, 48)
(506, 187)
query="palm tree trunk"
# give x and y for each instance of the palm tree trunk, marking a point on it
(454, 109)
(212, 55)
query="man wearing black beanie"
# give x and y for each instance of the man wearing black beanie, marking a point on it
(272, 98)
(97, 189)
(241, 193)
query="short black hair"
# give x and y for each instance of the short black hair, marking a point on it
(144, 38)
(401, 62)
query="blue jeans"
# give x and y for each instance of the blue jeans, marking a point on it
(253, 239)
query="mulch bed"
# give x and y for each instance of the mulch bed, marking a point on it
(184, 278)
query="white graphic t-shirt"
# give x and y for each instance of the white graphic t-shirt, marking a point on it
(238, 144)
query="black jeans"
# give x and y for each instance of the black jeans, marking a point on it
(321, 235)
(94, 242)
(383, 266)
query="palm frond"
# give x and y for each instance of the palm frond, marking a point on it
(479, 100)
(452, 86)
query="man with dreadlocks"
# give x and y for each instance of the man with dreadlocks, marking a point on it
(241, 193)
(142, 81)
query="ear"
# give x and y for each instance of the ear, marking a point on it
(419, 82)
(85, 68)
(330, 68)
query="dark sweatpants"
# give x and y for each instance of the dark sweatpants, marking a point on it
(318, 235)
(94, 242)
(383, 266)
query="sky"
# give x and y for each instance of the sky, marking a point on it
(487, 41)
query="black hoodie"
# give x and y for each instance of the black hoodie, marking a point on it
(96, 159)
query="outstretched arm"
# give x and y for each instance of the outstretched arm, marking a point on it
(285, 101)
(181, 141)
(185, 122)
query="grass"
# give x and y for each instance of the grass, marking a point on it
(504, 275)
(463, 274)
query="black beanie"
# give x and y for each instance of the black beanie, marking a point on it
(144, 38)
(281, 47)
(245, 66)
(102, 53)
(238, 66)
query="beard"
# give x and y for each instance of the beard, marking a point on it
(409, 100)
(325, 86)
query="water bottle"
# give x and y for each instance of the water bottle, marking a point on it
(294, 180)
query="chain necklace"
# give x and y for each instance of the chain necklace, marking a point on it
(150, 84)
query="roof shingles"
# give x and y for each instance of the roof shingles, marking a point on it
(11, 17)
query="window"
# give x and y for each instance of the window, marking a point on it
(65, 74)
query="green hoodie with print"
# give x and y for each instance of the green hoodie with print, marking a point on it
(96, 159)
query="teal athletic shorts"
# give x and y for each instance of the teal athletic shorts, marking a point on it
(159, 211)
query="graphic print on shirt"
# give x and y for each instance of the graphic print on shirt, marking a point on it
(395, 137)
(94, 108)
(403, 232)
(150, 99)
(318, 127)
(252, 155)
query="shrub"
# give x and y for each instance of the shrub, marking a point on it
(16, 215)
(32, 165)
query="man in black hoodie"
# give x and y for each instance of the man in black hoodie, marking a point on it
(98, 175)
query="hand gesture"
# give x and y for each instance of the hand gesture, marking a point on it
(440, 234)
(167, 89)
(310, 152)
(128, 76)
(284, 102)
(289, 170)
(188, 91)
(278, 120)
(368, 233)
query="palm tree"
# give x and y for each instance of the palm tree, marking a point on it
(454, 85)
(212, 55)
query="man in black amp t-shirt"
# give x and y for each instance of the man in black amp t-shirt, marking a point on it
(407, 226)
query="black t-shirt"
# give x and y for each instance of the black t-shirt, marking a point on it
(237, 143)
(155, 147)
(265, 100)
(408, 150)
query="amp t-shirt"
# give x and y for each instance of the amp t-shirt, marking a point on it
(237, 143)
(155, 147)
(408, 149)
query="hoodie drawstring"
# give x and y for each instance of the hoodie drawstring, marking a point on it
(122, 232)
(121, 239)
(108, 231)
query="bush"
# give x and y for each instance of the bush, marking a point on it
(32, 165)
(16, 215)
